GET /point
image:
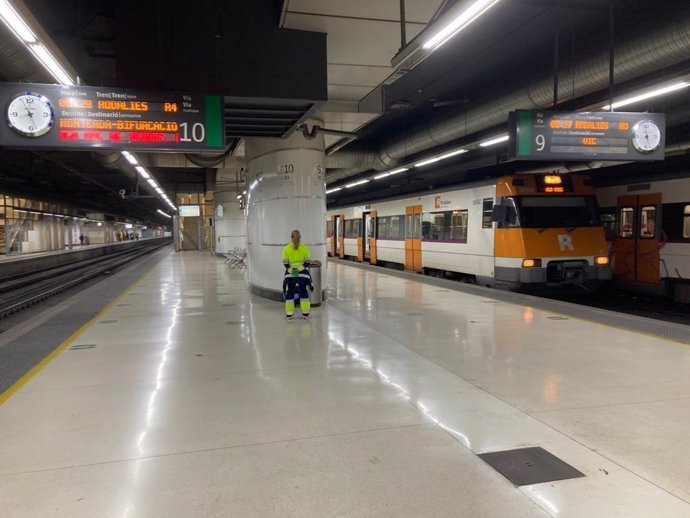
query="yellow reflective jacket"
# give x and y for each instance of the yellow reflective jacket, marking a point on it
(296, 256)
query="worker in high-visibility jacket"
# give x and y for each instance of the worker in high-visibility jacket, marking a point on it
(297, 279)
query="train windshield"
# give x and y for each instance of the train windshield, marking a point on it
(557, 211)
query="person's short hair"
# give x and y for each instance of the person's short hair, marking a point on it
(295, 232)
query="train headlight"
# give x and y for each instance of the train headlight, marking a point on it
(531, 263)
(601, 260)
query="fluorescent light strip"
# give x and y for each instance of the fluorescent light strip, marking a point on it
(15, 23)
(164, 213)
(459, 23)
(335, 189)
(130, 158)
(391, 173)
(355, 184)
(493, 141)
(143, 172)
(647, 95)
(152, 182)
(440, 157)
(50, 63)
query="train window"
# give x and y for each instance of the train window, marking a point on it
(608, 222)
(397, 227)
(352, 228)
(450, 225)
(487, 208)
(648, 222)
(627, 221)
(383, 223)
(554, 212)
(686, 222)
(512, 219)
(435, 226)
(458, 225)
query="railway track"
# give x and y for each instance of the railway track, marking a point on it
(19, 291)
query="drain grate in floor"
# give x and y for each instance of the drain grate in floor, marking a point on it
(82, 346)
(526, 466)
(123, 305)
(107, 321)
(558, 318)
(235, 323)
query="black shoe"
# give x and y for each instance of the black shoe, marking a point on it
(288, 317)
(305, 315)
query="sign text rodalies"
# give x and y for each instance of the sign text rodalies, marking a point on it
(440, 203)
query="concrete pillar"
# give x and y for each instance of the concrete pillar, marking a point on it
(286, 190)
(230, 222)
(70, 234)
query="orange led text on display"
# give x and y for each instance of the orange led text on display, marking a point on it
(132, 106)
(72, 102)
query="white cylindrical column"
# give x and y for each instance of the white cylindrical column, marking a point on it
(230, 219)
(286, 191)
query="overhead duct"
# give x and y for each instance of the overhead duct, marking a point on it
(656, 50)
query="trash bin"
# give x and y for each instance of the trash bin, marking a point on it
(316, 296)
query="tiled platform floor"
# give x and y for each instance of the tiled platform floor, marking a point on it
(200, 400)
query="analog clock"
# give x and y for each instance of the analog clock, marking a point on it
(31, 114)
(646, 136)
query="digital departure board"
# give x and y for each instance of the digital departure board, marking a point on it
(77, 117)
(544, 135)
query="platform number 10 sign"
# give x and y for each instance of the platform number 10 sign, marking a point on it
(286, 173)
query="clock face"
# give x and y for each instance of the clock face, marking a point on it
(646, 136)
(31, 115)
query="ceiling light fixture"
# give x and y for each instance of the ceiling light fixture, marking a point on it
(335, 189)
(355, 184)
(647, 95)
(50, 63)
(391, 173)
(15, 23)
(143, 172)
(152, 182)
(496, 140)
(440, 157)
(164, 213)
(130, 158)
(459, 22)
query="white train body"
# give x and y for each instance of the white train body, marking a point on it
(456, 232)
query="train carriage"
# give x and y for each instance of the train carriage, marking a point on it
(648, 226)
(532, 230)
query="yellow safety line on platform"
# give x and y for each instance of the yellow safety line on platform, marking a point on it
(64, 345)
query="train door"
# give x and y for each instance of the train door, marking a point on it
(330, 230)
(340, 237)
(637, 247)
(336, 244)
(372, 237)
(365, 243)
(413, 238)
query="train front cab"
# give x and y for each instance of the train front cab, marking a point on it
(548, 233)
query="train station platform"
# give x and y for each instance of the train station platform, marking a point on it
(187, 396)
